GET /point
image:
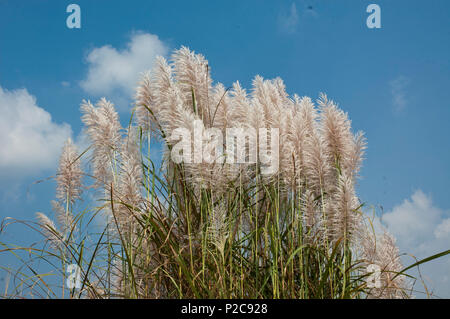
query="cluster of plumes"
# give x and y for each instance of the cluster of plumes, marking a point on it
(69, 188)
(318, 157)
(116, 164)
(118, 173)
(116, 161)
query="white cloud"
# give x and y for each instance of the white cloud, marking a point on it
(422, 229)
(115, 73)
(398, 87)
(443, 230)
(288, 21)
(30, 141)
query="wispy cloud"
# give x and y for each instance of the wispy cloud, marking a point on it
(288, 21)
(115, 73)
(398, 90)
(422, 229)
(30, 140)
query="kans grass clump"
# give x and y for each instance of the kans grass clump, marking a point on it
(215, 229)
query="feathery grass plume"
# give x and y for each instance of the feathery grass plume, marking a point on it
(270, 99)
(193, 78)
(318, 170)
(128, 193)
(356, 155)
(255, 112)
(49, 230)
(163, 97)
(243, 113)
(241, 105)
(169, 108)
(64, 218)
(390, 264)
(287, 169)
(336, 130)
(344, 220)
(103, 128)
(300, 128)
(367, 244)
(145, 100)
(68, 186)
(68, 177)
(266, 94)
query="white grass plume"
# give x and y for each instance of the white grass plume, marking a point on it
(336, 130)
(344, 220)
(68, 177)
(49, 230)
(192, 75)
(145, 99)
(128, 193)
(103, 128)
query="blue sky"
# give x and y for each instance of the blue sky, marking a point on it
(394, 83)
